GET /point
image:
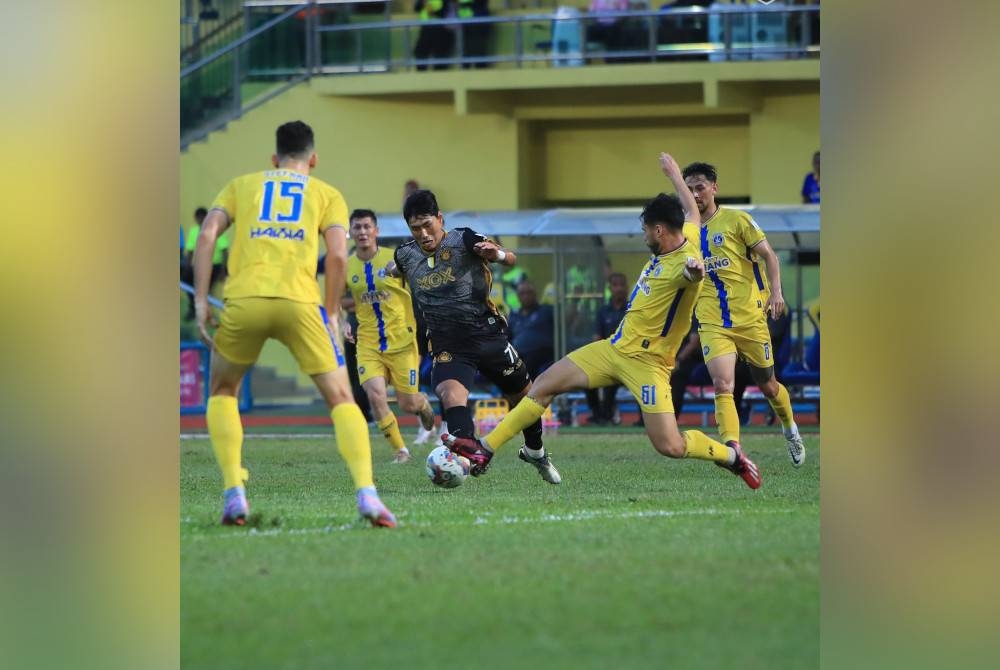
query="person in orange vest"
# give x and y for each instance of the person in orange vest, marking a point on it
(434, 41)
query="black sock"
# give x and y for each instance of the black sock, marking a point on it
(533, 435)
(460, 421)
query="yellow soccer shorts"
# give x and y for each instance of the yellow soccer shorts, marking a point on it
(246, 323)
(751, 343)
(400, 368)
(647, 377)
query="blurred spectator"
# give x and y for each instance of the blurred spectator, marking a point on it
(683, 30)
(475, 37)
(411, 186)
(688, 358)
(606, 29)
(810, 187)
(218, 259)
(603, 406)
(532, 330)
(506, 289)
(434, 41)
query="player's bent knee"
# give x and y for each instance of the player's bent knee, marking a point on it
(670, 448)
(764, 378)
(452, 396)
(410, 403)
(724, 386)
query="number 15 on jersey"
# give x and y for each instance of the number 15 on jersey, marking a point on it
(289, 191)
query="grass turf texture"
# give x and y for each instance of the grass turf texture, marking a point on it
(633, 561)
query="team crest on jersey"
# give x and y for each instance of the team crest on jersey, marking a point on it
(443, 357)
(656, 272)
(381, 273)
(361, 370)
(446, 254)
(717, 239)
(705, 350)
(355, 279)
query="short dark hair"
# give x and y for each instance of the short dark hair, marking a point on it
(620, 275)
(294, 138)
(362, 213)
(665, 209)
(420, 203)
(704, 169)
(201, 213)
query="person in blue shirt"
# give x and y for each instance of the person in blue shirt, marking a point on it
(810, 187)
(532, 329)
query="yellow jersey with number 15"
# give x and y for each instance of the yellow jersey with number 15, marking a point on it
(733, 291)
(276, 219)
(658, 314)
(382, 303)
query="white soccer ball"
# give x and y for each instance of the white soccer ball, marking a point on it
(447, 469)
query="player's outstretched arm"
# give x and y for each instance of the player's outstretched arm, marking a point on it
(776, 301)
(212, 227)
(673, 172)
(494, 253)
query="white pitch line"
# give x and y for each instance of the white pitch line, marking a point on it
(268, 436)
(586, 515)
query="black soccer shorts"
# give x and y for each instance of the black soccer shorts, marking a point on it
(493, 355)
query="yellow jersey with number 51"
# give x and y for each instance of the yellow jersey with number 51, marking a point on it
(277, 218)
(658, 315)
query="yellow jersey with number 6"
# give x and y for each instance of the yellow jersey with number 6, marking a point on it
(276, 220)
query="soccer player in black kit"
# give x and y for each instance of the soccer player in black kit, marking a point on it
(449, 276)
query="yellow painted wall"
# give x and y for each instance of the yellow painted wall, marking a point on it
(369, 146)
(613, 160)
(368, 149)
(784, 134)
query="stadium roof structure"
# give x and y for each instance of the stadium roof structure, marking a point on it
(787, 226)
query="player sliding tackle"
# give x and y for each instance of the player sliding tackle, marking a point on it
(640, 353)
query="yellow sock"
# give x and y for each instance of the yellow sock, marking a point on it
(390, 428)
(700, 445)
(782, 406)
(525, 413)
(226, 434)
(726, 417)
(352, 441)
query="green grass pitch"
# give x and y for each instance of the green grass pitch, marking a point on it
(634, 561)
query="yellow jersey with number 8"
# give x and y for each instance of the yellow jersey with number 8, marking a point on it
(382, 303)
(734, 290)
(276, 220)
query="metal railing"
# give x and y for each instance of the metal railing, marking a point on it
(295, 44)
(727, 32)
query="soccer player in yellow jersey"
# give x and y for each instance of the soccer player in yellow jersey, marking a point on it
(640, 353)
(387, 342)
(277, 217)
(733, 307)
